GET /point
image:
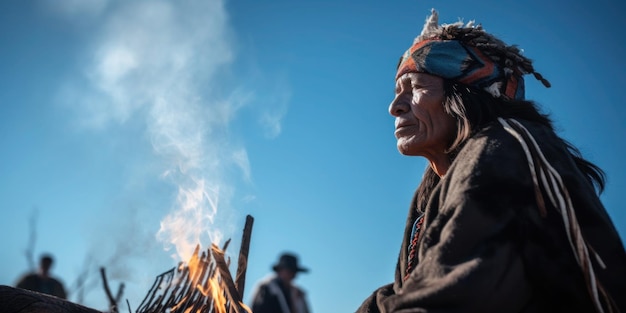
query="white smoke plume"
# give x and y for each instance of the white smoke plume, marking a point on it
(158, 61)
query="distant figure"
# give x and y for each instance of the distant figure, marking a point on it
(277, 293)
(42, 281)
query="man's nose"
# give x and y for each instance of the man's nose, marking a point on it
(398, 106)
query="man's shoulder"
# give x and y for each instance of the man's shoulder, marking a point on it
(501, 148)
(30, 277)
(491, 151)
(494, 159)
(56, 281)
(263, 285)
(28, 281)
(267, 280)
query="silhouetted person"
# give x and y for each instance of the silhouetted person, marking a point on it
(277, 293)
(41, 281)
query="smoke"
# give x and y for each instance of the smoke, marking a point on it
(158, 62)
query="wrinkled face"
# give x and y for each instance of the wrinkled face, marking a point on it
(422, 126)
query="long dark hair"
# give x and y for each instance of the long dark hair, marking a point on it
(473, 109)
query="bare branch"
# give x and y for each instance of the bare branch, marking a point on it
(112, 303)
(32, 239)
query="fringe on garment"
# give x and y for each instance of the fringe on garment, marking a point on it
(547, 179)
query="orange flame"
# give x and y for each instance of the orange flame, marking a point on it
(203, 277)
(219, 301)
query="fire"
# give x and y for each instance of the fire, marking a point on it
(218, 295)
(203, 285)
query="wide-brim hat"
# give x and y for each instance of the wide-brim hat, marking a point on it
(290, 262)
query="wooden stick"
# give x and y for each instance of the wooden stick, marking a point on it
(242, 264)
(152, 293)
(227, 280)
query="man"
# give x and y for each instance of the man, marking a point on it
(277, 293)
(42, 281)
(506, 217)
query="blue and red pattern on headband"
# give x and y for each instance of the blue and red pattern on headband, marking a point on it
(451, 59)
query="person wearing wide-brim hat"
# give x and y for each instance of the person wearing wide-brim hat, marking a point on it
(277, 293)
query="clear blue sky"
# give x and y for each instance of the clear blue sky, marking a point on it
(113, 113)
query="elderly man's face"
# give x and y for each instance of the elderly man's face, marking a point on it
(422, 126)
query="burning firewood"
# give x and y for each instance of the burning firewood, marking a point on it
(203, 285)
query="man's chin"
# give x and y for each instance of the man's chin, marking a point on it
(404, 150)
